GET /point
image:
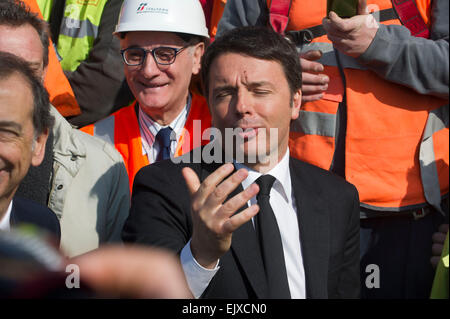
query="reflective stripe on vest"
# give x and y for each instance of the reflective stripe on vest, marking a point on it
(315, 123)
(438, 119)
(395, 155)
(79, 28)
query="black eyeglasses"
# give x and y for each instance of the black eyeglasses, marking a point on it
(162, 55)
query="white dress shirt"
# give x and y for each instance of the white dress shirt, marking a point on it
(149, 128)
(282, 201)
(5, 222)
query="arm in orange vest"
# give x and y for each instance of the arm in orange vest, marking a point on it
(58, 87)
(392, 52)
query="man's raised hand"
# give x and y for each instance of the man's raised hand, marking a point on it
(213, 220)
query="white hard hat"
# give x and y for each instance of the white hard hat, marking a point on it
(185, 16)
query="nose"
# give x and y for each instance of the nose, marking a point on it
(149, 68)
(243, 103)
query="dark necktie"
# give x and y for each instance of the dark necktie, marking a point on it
(270, 242)
(163, 139)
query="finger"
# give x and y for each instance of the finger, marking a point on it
(314, 89)
(310, 66)
(221, 192)
(191, 178)
(332, 29)
(438, 238)
(240, 219)
(435, 261)
(311, 98)
(312, 55)
(340, 43)
(211, 182)
(436, 249)
(315, 79)
(237, 201)
(362, 7)
(336, 22)
(443, 228)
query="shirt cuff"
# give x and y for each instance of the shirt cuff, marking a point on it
(197, 277)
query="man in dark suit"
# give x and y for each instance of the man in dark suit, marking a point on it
(25, 122)
(265, 225)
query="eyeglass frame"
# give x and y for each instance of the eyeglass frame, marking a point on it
(146, 52)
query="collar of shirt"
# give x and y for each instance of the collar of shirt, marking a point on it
(5, 221)
(149, 128)
(282, 174)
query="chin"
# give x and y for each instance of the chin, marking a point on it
(151, 103)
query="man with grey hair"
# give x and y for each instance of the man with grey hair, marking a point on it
(25, 122)
(86, 184)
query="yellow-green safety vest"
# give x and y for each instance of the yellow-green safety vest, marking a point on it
(440, 288)
(79, 28)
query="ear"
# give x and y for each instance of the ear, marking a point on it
(44, 73)
(199, 49)
(296, 104)
(38, 151)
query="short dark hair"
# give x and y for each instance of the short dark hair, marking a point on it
(10, 65)
(258, 42)
(16, 13)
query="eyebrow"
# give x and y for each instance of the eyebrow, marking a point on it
(10, 124)
(133, 46)
(259, 84)
(36, 65)
(251, 85)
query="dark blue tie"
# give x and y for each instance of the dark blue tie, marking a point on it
(163, 139)
(270, 242)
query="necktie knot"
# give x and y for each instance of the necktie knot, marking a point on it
(163, 136)
(265, 183)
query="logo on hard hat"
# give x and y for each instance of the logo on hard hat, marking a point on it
(142, 6)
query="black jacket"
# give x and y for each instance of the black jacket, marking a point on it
(28, 212)
(328, 214)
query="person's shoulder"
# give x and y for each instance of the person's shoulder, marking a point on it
(24, 204)
(172, 166)
(98, 149)
(27, 211)
(170, 169)
(68, 137)
(321, 177)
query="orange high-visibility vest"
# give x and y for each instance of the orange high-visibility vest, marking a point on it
(122, 130)
(60, 92)
(397, 142)
(217, 11)
(213, 10)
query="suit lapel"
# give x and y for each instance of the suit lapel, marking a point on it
(245, 246)
(314, 229)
